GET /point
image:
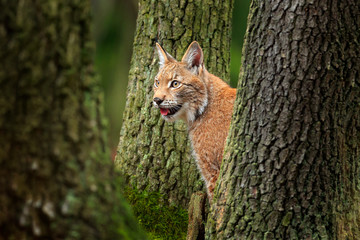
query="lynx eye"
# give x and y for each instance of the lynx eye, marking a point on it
(156, 83)
(175, 84)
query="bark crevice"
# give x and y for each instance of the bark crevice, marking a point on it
(290, 168)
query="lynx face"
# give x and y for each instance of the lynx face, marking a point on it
(179, 88)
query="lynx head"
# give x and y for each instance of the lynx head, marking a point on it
(179, 88)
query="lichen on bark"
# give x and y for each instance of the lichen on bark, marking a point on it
(57, 179)
(152, 154)
(291, 164)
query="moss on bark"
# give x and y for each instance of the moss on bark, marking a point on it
(152, 154)
(57, 180)
(160, 220)
(291, 165)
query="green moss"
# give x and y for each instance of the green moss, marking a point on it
(154, 214)
(286, 220)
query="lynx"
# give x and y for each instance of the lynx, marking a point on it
(186, 90)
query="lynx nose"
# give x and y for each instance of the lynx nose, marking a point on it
(158, 100)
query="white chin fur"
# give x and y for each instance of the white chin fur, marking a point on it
(186, 113)
(176, 116)
(169, 119)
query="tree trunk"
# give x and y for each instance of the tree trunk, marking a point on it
(56, 179)
(197, 216)
(152, 154)
(291, 165)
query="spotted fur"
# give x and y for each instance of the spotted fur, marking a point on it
(206, 104)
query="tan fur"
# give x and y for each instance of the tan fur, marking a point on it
(206, 106)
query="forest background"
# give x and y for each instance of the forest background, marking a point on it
(291, 164)
(115, 22)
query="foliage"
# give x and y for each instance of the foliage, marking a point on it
(156, 216)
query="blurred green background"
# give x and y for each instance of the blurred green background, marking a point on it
(115, 22)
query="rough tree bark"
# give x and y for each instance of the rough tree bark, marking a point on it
(56, 178)
(291, 165)
(152, 154)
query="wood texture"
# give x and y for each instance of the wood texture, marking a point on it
(291, 165)
(56, 176)
(152, 154)
(197, 216)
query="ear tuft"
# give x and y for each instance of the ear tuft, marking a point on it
(194, 57)
(164, 57)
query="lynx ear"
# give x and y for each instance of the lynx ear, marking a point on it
(194, 57)
(164, 57)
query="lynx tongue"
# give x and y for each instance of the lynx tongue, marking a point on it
(164, 111)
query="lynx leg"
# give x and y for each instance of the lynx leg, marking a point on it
(211, 186)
